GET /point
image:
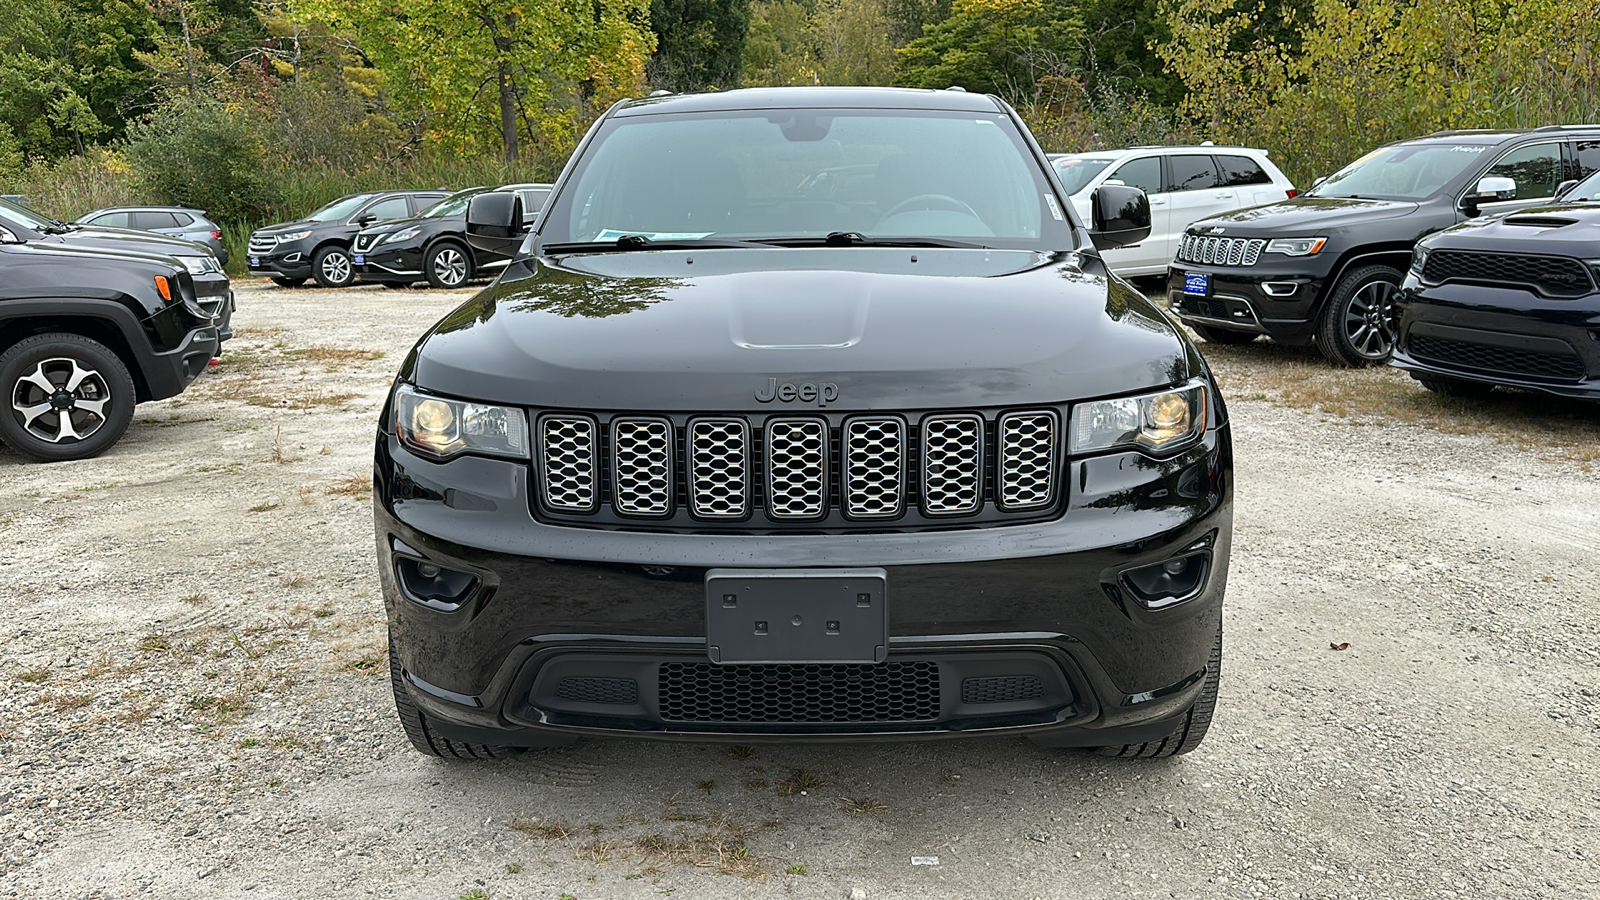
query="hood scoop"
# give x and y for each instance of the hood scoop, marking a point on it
(1540, 221)
(778, 323)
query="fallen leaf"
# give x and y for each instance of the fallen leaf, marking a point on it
(1342, 645)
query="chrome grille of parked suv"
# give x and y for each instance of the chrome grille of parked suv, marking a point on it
(1220, 251)
(262, 244)
(365, 242)
(833, 471)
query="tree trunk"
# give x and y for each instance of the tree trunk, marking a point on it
(508, 98)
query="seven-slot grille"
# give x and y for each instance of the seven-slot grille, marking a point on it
(262, 243)
(798, 469)
(1220, 251)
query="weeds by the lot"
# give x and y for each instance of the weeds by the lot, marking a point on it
(356, 486)
(800, 782)
(705, 842)
(863, 806)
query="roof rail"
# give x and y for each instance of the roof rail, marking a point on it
(1563, 127)
(663, 92)
(1449, 131)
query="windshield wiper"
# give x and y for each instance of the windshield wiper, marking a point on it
(644, 242)
(857, 239)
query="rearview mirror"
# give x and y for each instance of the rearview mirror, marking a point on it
(1120, 216)
(366, 219)
(1565, 186)
(6, 237)
(494, 222)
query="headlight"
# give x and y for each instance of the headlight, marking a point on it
(1159, 422)
(293, 236)
(1296, 246)
(441, 428)
(1419, 258)
(404, 234)
(199, 265)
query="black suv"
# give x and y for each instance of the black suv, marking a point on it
(318, 246)
(1512, 300)
(1327, 264)
(86, 332)
(717, 459)
(433, 245)
(213, 291)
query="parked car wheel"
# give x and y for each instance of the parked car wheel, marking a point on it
(1453, 387)
(1361, 321)
(287, 282)
(332, 267)
(1196, 722)
(448, 266)
(1224, 335)
(67, 397)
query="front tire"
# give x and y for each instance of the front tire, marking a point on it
(1196, 722)
(424, 738)
(1224, 335)
(331, 267)
(447, 266)
(1359, 325)
(66, 397)
(1453, 387)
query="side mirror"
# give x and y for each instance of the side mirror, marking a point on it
(6, 237)
(494, 222)
(366, 219)
(1491, 189)
(1120, 216)
(1565, 186)
(1318, 180)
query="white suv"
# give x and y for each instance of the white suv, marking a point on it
(1185, 185)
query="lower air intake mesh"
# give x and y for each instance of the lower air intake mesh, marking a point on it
(887, 692)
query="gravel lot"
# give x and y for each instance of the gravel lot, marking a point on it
(194, 695)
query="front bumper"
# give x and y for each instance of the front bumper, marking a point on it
(283, 261)
(1043, 604)
(1277, 297)
(166, 374)
(1505, 336)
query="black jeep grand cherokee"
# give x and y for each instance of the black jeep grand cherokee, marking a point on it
(714, 459)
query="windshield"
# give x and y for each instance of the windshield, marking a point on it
(339, 209)
(453, 205)
(1077, 172)
(1585, 190)
(1405, 172)
(21, 215)
(880, 174)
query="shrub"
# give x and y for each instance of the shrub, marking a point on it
(194, 151)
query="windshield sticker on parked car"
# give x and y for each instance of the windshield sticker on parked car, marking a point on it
(611, 234)
(1055, 208)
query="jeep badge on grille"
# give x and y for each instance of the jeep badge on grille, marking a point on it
(820, 394)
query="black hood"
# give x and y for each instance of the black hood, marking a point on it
(1302, 217)
(1565, 229)
(707, 329)
(297, 225)
(129, 241)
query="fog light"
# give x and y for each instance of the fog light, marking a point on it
(432, 585)
(1169, 582)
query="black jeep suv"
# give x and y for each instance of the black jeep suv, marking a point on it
(318, 246)
(1512, 300)
(1327, 264)
(716, 459)
(85, 333)
(433, 245)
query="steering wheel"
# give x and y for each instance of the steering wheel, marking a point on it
(931, 201)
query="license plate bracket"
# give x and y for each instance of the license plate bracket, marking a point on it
(1197, 284)
(359, 259)
(797, 615)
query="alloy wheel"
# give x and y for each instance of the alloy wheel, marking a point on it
(1371, 321)
(59, 400)
(336, 268)
(449, 266)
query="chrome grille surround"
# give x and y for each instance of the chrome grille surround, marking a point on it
(874, 467)
(1220, 251)
(719, 480)
(641, 466)
(797, 468)
(1027, 459)
(262, 244)
(365, 242)
(952, 464)
(567, 454)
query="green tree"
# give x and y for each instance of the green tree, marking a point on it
(1005, 47)
(834, 42)
(194, 151)
(699, 43)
